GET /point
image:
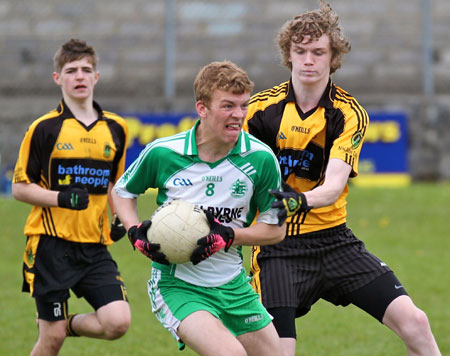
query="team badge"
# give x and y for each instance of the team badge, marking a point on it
(293, 204)
(356, 139)
(30, 257)
(239, 189)
(107, 150)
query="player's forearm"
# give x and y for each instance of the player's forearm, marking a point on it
(322, 196)
(259, 234)
(126, 209)
(34, 194)
(336, 178)
(109, 198)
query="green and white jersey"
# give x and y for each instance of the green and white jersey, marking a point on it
(235, 189)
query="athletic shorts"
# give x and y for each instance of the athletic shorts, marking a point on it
(327, 264)
(235, 303)
(53, 266)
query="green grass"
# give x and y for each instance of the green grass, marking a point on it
(408, 228)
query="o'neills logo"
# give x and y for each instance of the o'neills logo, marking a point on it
(254, 318)
(301, 129)
(211, 179)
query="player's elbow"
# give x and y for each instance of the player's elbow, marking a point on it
(334, 196)
(279, 233)
(328, 197)
(17, 191)
(279, 239)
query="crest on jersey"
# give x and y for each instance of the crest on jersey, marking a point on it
(356, 139)
(107, 150)
(30, 257)
(238, 189)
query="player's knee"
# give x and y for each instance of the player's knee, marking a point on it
(117, 328)
(420, 320)
(416, 325)
(52, 341)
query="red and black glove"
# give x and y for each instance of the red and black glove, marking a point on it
(74, 197)
(219, 237)
(289, 203)
(137, 235)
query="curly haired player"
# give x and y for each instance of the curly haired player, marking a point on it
(316, 130)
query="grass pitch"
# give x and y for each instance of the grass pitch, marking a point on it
(408, 228)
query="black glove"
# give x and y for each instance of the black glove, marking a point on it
(289, 203)
(117, 229)
(75, 197)
(220, 236)
(137, 235)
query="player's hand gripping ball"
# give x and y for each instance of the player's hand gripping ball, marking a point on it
(220, 236)
(177, 226)
(138, 237)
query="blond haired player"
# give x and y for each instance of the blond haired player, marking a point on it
(208, 303)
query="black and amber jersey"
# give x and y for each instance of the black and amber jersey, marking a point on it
(305, 142)
(58, 150)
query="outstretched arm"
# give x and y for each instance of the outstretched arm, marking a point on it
(259, 234)
(290, 202)
(336, 177)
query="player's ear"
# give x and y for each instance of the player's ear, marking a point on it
(57, 78)
(97, 75)
(201, 109)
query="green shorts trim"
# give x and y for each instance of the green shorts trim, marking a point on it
(235, 303)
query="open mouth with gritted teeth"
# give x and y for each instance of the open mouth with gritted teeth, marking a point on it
(233, 126)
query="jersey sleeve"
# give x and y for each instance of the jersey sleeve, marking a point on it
(253, 115)
(347, 146)
(263, 122)
(142, 173)
(119, 131)
(28, 165)
(269, 179)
